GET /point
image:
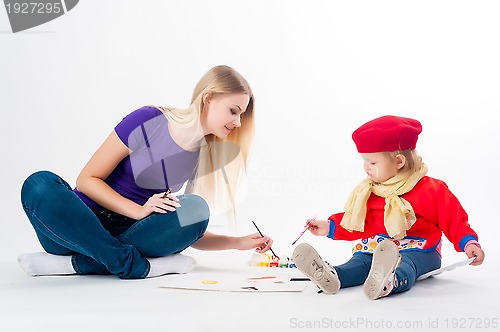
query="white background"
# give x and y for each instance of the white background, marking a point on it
(319, 69)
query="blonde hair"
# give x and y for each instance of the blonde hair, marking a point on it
(218, 176)
(413, 159)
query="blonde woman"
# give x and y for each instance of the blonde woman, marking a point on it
(123, 218)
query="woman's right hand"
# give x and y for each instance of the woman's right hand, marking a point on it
(158, 203)
(319, 227)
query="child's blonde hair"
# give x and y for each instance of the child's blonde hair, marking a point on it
(413, 159)
(217, 175)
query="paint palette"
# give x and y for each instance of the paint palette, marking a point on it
(266, 260)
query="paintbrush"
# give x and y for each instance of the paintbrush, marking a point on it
(306, 227)
(166, 193)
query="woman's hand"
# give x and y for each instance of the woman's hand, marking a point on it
(319, 227)
(254, 241)
(474, 251)
(159, 203)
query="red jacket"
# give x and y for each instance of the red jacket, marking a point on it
(436, 208)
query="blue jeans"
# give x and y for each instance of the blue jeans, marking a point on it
(413, 265)
(103, 242)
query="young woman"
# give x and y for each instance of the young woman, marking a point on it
(122, 217)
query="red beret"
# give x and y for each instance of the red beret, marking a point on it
(387, 133)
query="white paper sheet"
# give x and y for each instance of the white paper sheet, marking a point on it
(263, 282)
(445, 268)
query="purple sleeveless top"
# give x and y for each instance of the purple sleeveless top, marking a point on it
(156, 162)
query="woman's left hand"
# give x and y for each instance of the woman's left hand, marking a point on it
(254, 241)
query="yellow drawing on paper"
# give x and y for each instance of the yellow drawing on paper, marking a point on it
(209, 282)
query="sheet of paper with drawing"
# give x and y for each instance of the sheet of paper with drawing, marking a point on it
(446, 268)
(260, 282)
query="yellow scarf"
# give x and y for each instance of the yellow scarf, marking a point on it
(398, 212)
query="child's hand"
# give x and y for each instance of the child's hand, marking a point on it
(319, 227)
(474, 251)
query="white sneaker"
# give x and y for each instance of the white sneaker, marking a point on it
(382, 276)
(321, 273)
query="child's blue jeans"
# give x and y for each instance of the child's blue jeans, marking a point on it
(413, 264)
(103, 242)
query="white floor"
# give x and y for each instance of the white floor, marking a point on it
(465, 296)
